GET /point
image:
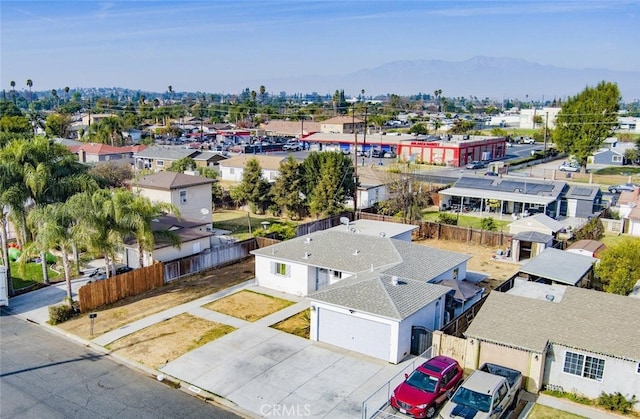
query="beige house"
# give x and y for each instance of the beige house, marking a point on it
(232, 168)
(342, 125)
(191, 194)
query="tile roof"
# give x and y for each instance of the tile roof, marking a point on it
(378, 294)
(353, 253)
(584, 319)
(266, 162)
(170, 180)
(96, 148)
(560, 266)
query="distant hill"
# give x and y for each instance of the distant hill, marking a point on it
(478, 76)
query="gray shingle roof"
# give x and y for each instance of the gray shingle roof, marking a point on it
(560, 266)
(353, 253)
(583, 319)
(165, 153)
(170, 180)
(533, 236)
(543, 219)
(375, 293)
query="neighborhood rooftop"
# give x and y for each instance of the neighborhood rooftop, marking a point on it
(583, 319)
(560, 266)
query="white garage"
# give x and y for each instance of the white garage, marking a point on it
(374, 313)
(354, 333)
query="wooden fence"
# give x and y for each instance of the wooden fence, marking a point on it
(431, 230)
(323, 224)
(108, 291)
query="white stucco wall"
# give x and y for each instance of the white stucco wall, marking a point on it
(197, 198)
(234, 174)
(193, 247)
(618, 375)
(296, 282)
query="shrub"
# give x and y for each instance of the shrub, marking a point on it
(616, 402)
(61, 313)
(444, 218)
(488, 224)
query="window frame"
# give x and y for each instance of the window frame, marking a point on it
(585, 366)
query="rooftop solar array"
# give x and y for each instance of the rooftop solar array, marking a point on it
(582, 192)
(511, 186)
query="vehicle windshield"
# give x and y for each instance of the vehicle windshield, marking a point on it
(470, 398)
(422, 381)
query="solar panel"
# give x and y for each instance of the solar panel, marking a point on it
(508, 186)
(582, 192)
(470, 182)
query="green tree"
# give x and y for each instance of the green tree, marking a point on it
(287, 189)
(420, 128)
(12, 195)
(488, 223)
(460, 126)
(254, 189)
(619, 267)
(58, 125)
(111, 174)
(312, 170)
(180, 165)
(408, 197)
(586, 119)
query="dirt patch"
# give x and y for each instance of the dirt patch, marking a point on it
(154, 301)
(248, 305)
(299, 324)
(481, 260)
(163, 342)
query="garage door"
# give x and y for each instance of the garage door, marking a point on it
(360, 335)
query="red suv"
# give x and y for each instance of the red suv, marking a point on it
(428, 387)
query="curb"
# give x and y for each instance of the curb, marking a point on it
(174, 382)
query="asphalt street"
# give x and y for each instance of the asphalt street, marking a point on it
(44, 375)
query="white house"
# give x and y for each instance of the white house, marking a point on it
(232, 168)
(629, 205)
(388, 229)
(189, 193)
(375, 314)
(373, 186)
(580, 340)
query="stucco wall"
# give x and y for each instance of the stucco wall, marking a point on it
(430, 317)
(618, 375)
(296, 282)
(518, 359)
(187, 249)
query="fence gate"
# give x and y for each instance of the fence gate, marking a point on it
(420, 340)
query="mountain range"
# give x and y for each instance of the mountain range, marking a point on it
(480, 76)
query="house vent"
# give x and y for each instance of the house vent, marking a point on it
(383, 234)
(549, 297)
(307, 240)
(355, 252)
(394, 281)
(306, 255)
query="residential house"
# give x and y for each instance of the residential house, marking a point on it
(342, 124)
(365, 285)
(375, 228)
(232, 168)
(100, 153)
(208, 159)
(161, 158)
(189, 193)
(629, 210)
(612, 152)
(373, 186)
(581, 201)
(532, 234)
(591, 248)
(554, 266)
(195, 237)
(574, 339)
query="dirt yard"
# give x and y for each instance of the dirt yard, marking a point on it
(248, 305)
(159, 299)
(163, 342)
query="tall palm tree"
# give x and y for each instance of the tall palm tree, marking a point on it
(30, 85)
(135, 215)
(13, 91)
(66, 93)
(12, 195)
(54, 95)
(263, 90)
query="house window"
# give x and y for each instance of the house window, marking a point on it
(616, 159)
(231, 171)
(638, 369)
(183, 197)
(584, 366)
(281, 269)
(455, 274)
(159, 162)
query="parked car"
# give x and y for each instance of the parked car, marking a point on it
(428, 386)
(528, 140)
(489, 392)
(100, 273)
(622, 187)
(292, 146)
(475, 165)
(569, 167)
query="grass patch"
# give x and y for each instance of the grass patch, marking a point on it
(31, 275)
(163, 342)
(238, 222)
(248, 305)
(299, 324)
(544, 412)
(619, 170)
(467, 220)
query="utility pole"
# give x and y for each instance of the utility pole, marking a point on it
(364, 138)
(355, 163)
(546, 125)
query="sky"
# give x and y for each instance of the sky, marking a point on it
(219, 46)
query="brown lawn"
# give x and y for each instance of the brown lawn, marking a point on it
(248, 305)
(154, 301)
(298, 324)
(167, 340)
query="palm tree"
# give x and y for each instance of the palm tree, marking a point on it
(12, 195)
(30, 85)
(263, 90)
(13, 91)
(437, 94)
(135, 215)
(54, 94)
(66, 93)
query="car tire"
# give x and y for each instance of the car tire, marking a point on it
(614, 190)
(430, 412)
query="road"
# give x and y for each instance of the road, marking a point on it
(43, 375)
